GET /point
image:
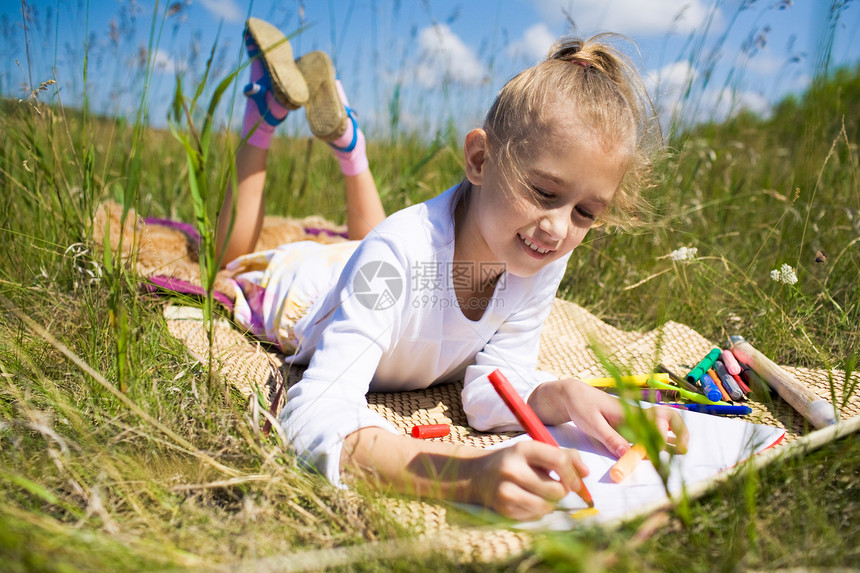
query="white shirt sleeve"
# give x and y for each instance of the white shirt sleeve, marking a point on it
(513, 349)
(329, 402)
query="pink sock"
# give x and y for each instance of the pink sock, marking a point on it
(262, 135)
(354, 161)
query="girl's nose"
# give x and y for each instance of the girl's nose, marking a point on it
(554, 223)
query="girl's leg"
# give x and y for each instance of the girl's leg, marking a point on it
(248, 205)
(276, 87)
(331, 119)
(363, 208)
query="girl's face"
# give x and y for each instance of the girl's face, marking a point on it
(527, 225)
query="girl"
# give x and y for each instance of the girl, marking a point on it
(452, 288)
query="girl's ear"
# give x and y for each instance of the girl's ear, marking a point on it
(475, 150)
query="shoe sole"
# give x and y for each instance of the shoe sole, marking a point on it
(288, 84)
(325, 112)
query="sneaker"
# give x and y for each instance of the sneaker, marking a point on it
(326, 114)
(287, 83)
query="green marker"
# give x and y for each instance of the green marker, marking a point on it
(703, 366)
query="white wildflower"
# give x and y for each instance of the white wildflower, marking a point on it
(684, 254)
(785, 274)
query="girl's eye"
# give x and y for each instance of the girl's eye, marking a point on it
(585, 213)
(543, 194)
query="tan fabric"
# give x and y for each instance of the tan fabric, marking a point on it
(157, 250)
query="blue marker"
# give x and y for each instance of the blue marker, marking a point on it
(714, 409)
(709, 388)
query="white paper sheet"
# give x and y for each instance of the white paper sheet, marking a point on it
(716, 444)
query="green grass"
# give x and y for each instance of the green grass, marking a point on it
(168, 480)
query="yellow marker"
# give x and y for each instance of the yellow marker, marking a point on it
(627, 463)
(584, 513)
(637, 380)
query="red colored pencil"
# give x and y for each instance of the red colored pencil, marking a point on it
(744, 388)
(528, 419)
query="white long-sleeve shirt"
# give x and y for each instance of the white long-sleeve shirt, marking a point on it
(392, 323)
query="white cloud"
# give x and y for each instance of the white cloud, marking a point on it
(799, 83)
(721, 104)
(646, 17)
(226, 9)
(444, 56)
(534, 44)
(164, 63)
(669, 81)
(668, 87)
(764, 64)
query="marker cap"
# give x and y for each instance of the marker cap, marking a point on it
(730, 362)
(710, 388)
(627, 463)
(430, 431)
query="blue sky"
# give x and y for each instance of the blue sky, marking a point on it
(432, 60)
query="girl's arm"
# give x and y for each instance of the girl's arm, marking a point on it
(513, 481)
(251, 177)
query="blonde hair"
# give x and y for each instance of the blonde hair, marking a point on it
(610, 101)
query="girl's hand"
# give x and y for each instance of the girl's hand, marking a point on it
(598, 414)
(515, 481)
(669, 419)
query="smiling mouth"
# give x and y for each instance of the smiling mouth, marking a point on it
(534, 247)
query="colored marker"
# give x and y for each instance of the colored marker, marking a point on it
(627, 463)
(427, 431)
(681, 382)
(685, 389)
(728, 382)
(717, 410)
(753, 381)
(528, 419)
(710, 388)
(669, 395)
(646, 394)
(691, 396)
(720, 387)
(637, 380)
(728, 359)
(703, 366)
(585, 513)
(744, 388)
